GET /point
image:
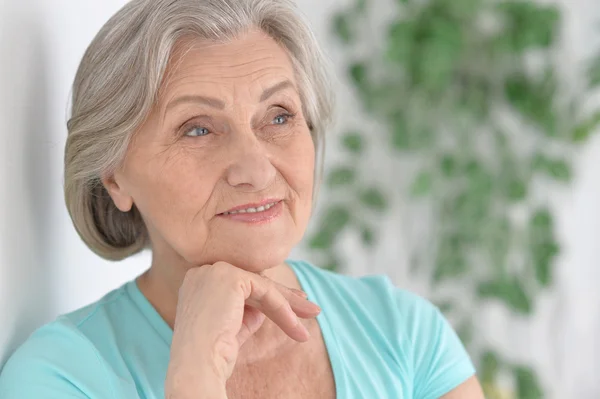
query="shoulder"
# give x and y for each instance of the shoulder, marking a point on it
(57, 359)
(61, 359)
(408, 328)
(375, 294)
(102, 310)
(400, 316)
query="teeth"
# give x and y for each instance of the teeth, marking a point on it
(252, 210)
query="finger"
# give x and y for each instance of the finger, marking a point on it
(294, 290)
(265, 296)
(251, 322)
(298, 300)
(299, 292)
(300, 305)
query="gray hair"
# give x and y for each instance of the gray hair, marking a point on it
(118, 82)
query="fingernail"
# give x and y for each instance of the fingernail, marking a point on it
(299, 293)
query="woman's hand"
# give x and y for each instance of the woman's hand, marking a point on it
(220, 306)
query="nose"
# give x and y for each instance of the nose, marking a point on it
(251, 167)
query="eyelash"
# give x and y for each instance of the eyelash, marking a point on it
(287, 115)
(186, 130)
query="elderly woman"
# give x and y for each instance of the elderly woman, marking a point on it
(194, 129)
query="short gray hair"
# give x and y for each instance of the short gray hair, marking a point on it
(117, 85)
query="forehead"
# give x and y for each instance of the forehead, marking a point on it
(253, 60)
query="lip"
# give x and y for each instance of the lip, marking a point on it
(261, 217)
(252, 205)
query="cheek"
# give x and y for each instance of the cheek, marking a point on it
(300, 161)
(171, 186)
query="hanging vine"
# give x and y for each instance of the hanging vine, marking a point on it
(450, 82)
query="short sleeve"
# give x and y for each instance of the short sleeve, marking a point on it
(440, 362)
(55, 363)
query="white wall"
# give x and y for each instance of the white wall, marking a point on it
(45, 269)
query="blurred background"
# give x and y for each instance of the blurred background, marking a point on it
(463, 163)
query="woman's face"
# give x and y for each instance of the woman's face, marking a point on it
(227, 135)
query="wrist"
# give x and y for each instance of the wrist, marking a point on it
(188, 384)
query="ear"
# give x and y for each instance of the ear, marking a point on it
(121, 198)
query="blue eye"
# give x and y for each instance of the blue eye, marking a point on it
(281, 119)
(197, 131)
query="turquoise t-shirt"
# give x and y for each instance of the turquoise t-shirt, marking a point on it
(383, 342)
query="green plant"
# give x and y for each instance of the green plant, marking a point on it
(450, 82)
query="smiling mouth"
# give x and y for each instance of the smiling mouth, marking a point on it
(258, 209)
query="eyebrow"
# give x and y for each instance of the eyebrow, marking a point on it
(210, 101)
(219, 104)
(268, 92)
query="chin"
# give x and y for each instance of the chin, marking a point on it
(251, 256)
(258, 258)
(250, 248)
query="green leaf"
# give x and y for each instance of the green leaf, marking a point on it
(582, 131)
(400, 42)
(332, 264)
(541, 221)
(474, 97)
(341, 175)
(422, 184)
(361, 6)
(425, 137)
(342, 27)
(465, 332)
(543, 254)
(534, 99)
(516, 189)
(471, 205)
(401, 137)
(448, 165)
(321, 240)
(358, 74)
(438, 56)
(474, 169)
(368, 236)
(353, 142)
(405, 137)
(496, 239)
(529, 25)
(511, 292)
(594, 72)
(542, 245)
(558, 169)
(373, 198)
(543, 273)
(528, 386)
(450, 259)
(462, 9)
(445, 307)
(477, 198)
(335, 219)
(489, 367)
